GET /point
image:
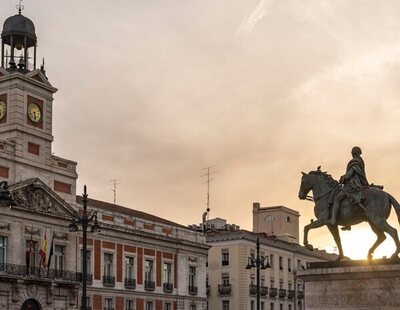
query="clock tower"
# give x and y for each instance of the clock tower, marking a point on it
(26, 114)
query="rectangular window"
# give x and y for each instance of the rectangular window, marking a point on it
(225, 257)
(280, 263)
(192, 307)
(129, 304)
(225, 279)
(108, 304)
(149, 305)
(289, 263)
(192, 276)
(59, 259)
(167, 273)
(289, 307)
(167, 306)
(262, 306)
(225, 305)
(31, 253)
(88, 256)
(3, 250)
(129, 267)
(280, 306)
(108, 265)
(252, 305)
(272, 306)
(148, 270)
(33, 148)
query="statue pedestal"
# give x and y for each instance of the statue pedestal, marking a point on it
(352, 285)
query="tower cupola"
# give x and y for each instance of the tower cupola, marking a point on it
(18, 35)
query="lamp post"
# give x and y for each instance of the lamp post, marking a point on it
(85, 220)
(259, 263)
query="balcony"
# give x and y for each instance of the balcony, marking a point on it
(13, 270)
(225, 263)
(300, 294)
(89, 278)
(130, 283)
(253, 289)
(282, 293)
(192, 290)
(263, 291)
(168, 287)
(108, 308)
(108, 281)
(208, 289)
(149, 285)
(291, 294)
(273, 292)
(224, 289)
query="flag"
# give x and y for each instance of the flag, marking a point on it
(43, 250)
(51, 252)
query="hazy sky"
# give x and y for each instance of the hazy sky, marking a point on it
(150, 92)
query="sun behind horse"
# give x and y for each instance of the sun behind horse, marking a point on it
(375, 210)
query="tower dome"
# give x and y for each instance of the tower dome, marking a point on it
(19, 27)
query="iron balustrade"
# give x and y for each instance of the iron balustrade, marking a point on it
(273, 292)
(300, 294)
(282, 293)
(291, 294)
(224, 289)
(263, 291)
(108, 280)
(168, 287)
(192, 290)
(149, 285)
(253, 289)
(37, 272)
(89, 278)
(130, 283)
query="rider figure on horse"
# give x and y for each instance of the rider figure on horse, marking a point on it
(353, 182)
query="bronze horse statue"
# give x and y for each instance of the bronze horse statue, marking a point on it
(375, 210)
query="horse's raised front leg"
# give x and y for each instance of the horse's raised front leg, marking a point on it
(335, 233)
(314, 224)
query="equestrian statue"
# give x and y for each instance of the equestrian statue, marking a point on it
(348, 202)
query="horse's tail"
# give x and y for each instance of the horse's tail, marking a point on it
(395, 205)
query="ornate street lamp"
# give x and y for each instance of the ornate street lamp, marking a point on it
(259, 262)
(85, 220)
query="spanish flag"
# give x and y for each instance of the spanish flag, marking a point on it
(43, 251)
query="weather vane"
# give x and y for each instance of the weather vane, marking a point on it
(19, 6)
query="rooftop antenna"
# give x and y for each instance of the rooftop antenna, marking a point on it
(20, 7)
(208, 175)
(114, 189)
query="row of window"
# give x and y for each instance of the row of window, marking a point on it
(226, 305)
(108, 304)
(270, 259)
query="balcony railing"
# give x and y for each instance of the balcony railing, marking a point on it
(149, 285)
(130, 283)
(192, 290)
(273, 292)
(89, 278)
(224, 289)
(38, 273)
(225, 263)
(263, 291)
(108, 308)
(168, 287)
(108, 280)
(300, 294)
(282, 293)
(291, 294)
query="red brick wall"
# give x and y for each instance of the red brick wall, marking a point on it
(107, 217)
(149, 226)
(119, 262)
(158, 268)
(89, 241)
(97, 302)
(109, 245)
(129, 248)
(97, 259)
(129, 222)
(167, 231)
(140, 304)
(139, 266)
(175, 305)
(62, 187)
(158, 305)
(33, 148)
(119, 303)
(149, 252)
(168, 255)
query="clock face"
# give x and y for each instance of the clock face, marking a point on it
(34, 113)
(3, 109)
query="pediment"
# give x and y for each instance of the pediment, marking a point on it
(37, 197)
(38, 76)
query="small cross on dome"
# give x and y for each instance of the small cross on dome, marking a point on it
(19, 6)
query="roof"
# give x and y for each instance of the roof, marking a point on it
(19, 25)
(242, 234)
(110, 207)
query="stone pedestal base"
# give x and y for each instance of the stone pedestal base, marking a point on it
(352, 285)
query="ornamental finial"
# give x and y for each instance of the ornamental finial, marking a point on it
(20, 7)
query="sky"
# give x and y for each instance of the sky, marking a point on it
(151, 92)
